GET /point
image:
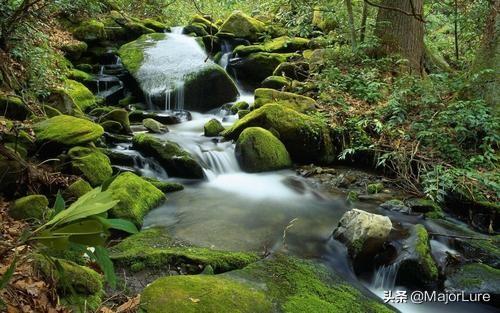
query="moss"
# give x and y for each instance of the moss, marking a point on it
(120, 116)
(210, 27)
(51, 111)
(154, 126)
(257, 150)
(137, 197)
(32, 206)
(293, 101)
(128, 100)
(212, 293)
(306, 138)
(423, 251)
(240, 105)
(13, 107)
(474, 278)
(74, 50)
(154, 25)
(74, 99)
(242, 26)
(258, 66)
(82, 303)
(154, 248)
(171, 156)
(276, 82)
(84, 67)
(163, 185)
(352, 196)
(213, 128)
(374, 188)
(112, 127)
(90, 30)
(195, 29)
(242, 113)
(91, 163)
(78, 188)
(302, 286)
(132, 53)
(80, 76)
(276, 45)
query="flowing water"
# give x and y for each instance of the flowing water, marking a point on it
(233, 210)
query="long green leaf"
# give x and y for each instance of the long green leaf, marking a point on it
(106, 265)
(119, 224)
(59, 204)
(4, 280)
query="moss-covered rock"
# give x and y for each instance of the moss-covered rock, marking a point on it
(171, 156)
(120, 116)
(306, 138)
(323, 20)
(73, 50)
(243, 113)
(67, 130)
(430, 208)
(195, 29)
(155, 25)
(32, 206)
(293, 101)
(276, 45)
(89, 31)
(155, 249)
(374, 188)
(293, 70)
(213, 128)
(241, 25)
(91, 163)
(240, 105)
(257, 150)
(73, 98)
(276, 82)
(164, 185)
(154, 126)
(210, 27)
(474, 278)
(137, 197)
(80, 76)
(77, 189)
(132, 53)
(258, 66)
(13, 107)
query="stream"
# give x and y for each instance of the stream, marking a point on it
(238, 211)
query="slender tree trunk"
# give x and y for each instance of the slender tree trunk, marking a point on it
(488, 57)
(352, 28)
(364, 17)
(457, 55)
(400, 30)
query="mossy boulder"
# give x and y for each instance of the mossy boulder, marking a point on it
(155, 25)
(154, 248)
(257, 150)
(323, 20)
(290, 100)
(276, 45)
(258, 66)
(120, 116)
(240, 25)
(242, 113)
(430, 208)
(164, 185)
(374, 188)
(73, 50)
(13, 107)
(67, 130)
(154, 126)
(137, 197)
(209, 26)
(73, 98)
(80, 76)
(240, 105)
(276, 82)
(77, 189)
(196, 29)
(132, 53)
(171, 156)
(91, 163)
(416, 263)
(474, 278)
(30, 207)
(90, 31)
(306, 138)
(213, 128)
(293, 70)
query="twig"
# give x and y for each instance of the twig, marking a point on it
(459, 237)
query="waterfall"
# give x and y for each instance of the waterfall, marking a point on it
(149, 167)
(385, 276)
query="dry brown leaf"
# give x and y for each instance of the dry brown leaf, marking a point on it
(130, 305)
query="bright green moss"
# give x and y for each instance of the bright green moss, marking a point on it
(424, 255)
(91, 163)
(290, 100)
(154, 126)
(78, 188)
(80, 76)
(260, 65)
(213, 128)
(209, 26)
(306, 138)
(374, 188)
(32, 206)
(202, 293)
(137, 197)
(82, 303)
(90, 30)
(154, 248)
(164, 186)
(67, 130)
(154, 24)
(474, 278)
(240, 105)
(257, 150)
(132, 53)
(120, 116)
(242, 113)
(76, 95)
(276, 82)
(74, 50)
(241, 25)
(275, 45)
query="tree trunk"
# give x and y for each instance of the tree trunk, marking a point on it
(400, 30)
(364, 17)
(352, 28)
(488, 57)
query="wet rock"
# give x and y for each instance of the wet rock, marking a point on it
(430, 208)
(164, 118)
(363, 233)
(91, 163)
(293, 101)
(282, 44)
(137, 197)
(258, 150)
(171, 156)
(67, 130)
(163, 185)
(374, 188)
(30, 207)
(258, 66)
(240, 105)
(474, 278)
(213, 128)
(240, 25)
(306, 138)
(276, 82)
(293, 70)
(120, 116)
(77, 189)
(13, 107)
(154, 126)
(396, 206)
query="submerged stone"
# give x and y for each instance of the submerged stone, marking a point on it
(306, 138)
(258, 150)
(171, 156)
(290, 100)
(67, 130)
(91, 163)
(137, 197)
